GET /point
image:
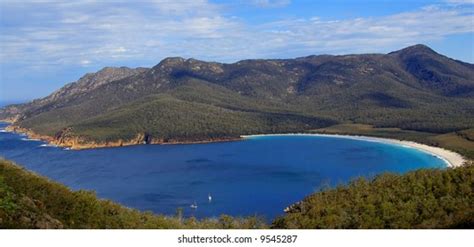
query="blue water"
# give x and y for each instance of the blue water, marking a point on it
(260, 175)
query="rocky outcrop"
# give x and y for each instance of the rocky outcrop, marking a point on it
(67, 139)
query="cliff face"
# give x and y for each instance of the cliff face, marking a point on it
(181, 100)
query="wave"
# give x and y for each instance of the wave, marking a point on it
(28, 139)
(48, 145)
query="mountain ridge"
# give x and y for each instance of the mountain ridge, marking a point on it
(181, 100)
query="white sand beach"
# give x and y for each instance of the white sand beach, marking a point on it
(451, 158)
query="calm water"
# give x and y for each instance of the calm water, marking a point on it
(261, 175)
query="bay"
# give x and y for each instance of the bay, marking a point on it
(256, 176)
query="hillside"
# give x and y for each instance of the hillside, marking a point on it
(419, 199)
(183, 100)
(31, 201)
(422, 199)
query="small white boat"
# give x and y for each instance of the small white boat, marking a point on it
(194, 205)
(209, 197)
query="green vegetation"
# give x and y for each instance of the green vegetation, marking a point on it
(31, 201)
(414, 89)
(412, 94)
(426, 198)
(419, 199)
(167, 118)
(458, 141)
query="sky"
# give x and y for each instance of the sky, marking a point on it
(46, 44)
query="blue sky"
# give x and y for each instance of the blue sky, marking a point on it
(46, 44)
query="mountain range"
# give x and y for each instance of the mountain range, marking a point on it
(188, 100)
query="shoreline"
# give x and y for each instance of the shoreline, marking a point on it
(451, 158)
(77, 143)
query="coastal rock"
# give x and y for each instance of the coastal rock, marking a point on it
(67, 139)
(48, 222)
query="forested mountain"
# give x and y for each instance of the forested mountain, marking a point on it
(190, 100)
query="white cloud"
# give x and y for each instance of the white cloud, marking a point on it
(85, 62)
(116, 33)
(120, 49)
(460, 1)
(369, 34)
(75, 19)
(270, 3)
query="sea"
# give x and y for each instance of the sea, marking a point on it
(259, 175)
